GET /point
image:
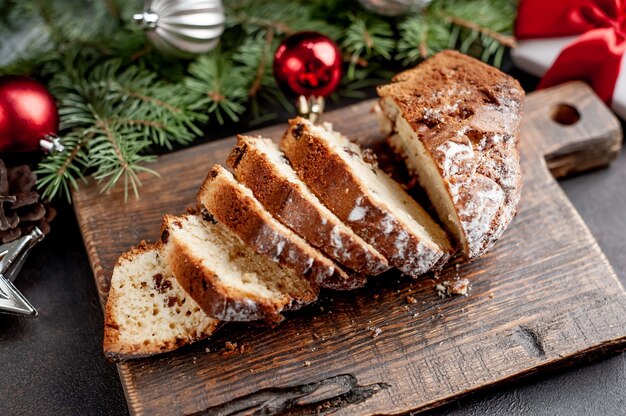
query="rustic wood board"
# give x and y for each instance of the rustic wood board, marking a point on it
(545, 296)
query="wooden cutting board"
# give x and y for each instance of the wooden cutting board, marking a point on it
(544, 296)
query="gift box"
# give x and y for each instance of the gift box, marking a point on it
(564, 40)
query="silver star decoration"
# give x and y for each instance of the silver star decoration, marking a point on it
(12, 257)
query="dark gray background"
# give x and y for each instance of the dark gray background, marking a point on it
(53, 365)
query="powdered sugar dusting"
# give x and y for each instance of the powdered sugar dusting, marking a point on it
(387, 224)
(455, 157)
(357, 214)
(335, 238)
(243, 309)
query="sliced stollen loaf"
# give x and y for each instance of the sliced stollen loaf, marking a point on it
(147, 311)
(262, 167)
(455, 120)
(226, 277)
(234, 205)
(347, 180)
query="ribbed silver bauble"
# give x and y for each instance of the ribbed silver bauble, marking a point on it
(182, 27)
(394, 7)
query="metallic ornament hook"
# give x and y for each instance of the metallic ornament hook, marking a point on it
(311, 107)
(51, 144)
(147, 19)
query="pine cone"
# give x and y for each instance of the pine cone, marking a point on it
(20, 207)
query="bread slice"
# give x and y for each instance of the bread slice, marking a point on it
(348, 181)
(455, 120)
(235, 206)
(147, 311)
(262, 167)
(226, 277)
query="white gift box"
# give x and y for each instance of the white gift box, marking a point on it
(535, 56)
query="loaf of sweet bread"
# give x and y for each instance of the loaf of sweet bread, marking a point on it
(455, 121)
(317, 211)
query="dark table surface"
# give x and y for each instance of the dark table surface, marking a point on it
(53, 365)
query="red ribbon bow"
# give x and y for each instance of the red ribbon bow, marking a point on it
(595, 56)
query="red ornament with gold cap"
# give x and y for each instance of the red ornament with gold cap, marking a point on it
(29, 119)
(308, 65)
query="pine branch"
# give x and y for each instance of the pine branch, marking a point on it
(263, 58)
(218, 86)
(505, 40)
(254, 56)
(367, 37)
(58, 172)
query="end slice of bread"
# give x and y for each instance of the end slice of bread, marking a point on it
(226, 277)
(147, 311)
(347, 180)
(259, 164)
(455, 120)
(235, 206)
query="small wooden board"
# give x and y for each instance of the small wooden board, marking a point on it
(545, 296)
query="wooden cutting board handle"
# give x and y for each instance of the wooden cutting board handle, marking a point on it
(577, 131)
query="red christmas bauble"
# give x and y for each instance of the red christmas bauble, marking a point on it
(28, 113)
(309, 64)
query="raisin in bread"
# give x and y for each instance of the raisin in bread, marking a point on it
(147, 311)
(262, 167)
(455, 121)
(234, 205)
(347, 180)
(226, 277)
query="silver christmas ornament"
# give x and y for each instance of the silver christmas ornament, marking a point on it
(182, 27)
(394, 7)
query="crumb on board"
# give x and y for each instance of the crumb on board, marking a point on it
(411, 299)
(457, 286)
(207, 349)
(441, 290)
(491, 296)
(307, 364)
(232, 347)
(375, 331)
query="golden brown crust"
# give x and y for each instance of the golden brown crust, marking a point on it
(467, 116)
(244, 216)
(206, 288)
(287, 203)
(140, 248)
(341, 190)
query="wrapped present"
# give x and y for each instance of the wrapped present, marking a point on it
(564, 40)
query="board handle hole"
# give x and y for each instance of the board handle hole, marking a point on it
(565, 114)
